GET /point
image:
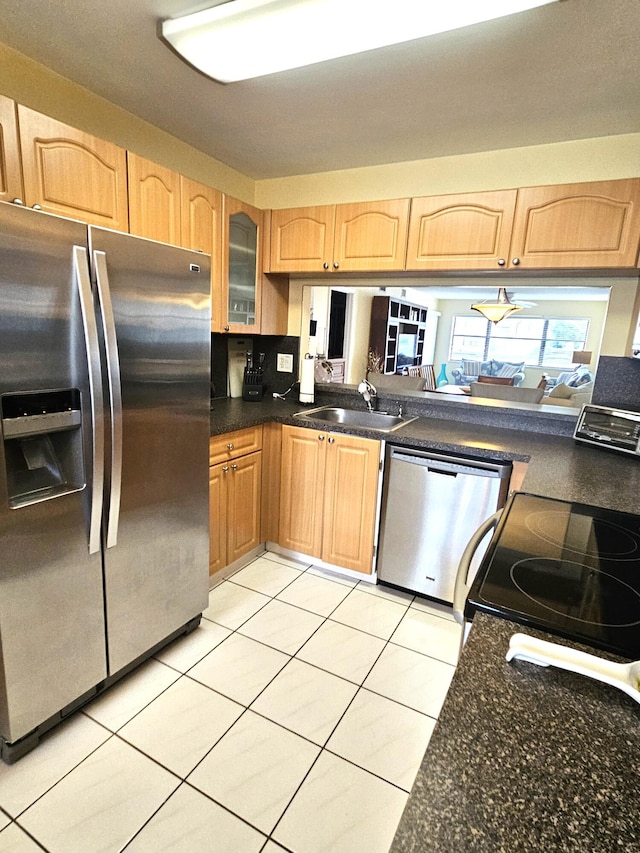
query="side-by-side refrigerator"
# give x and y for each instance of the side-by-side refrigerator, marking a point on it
(104, 404)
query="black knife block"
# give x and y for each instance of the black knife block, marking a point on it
(252, 387)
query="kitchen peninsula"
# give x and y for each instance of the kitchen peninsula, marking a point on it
(557, 467)
(523, 758)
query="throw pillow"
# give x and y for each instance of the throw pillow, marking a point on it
(508, 370)
(471, 368)
(562, 391)
(579, 378)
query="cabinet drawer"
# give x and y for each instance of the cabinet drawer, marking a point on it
(233, 444)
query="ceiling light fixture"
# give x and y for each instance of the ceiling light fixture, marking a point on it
(240, 39)
(498, 310)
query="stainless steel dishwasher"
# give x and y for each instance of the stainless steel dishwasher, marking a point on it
(431, 505)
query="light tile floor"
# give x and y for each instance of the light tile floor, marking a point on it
(294, 718)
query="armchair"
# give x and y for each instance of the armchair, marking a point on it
(570, 378)
(572, 388)
(469, 371)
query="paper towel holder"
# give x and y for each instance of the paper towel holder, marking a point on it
(307, 378)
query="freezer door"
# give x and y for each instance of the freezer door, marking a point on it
(52, 637)
(156, 503)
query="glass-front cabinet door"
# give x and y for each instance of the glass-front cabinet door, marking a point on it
(243, 232)
(243, 252)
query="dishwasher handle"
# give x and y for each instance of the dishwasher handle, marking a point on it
(463, 583)
(452, 465)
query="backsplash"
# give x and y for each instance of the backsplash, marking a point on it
(617, 383)
(270, 345)
(219, 365)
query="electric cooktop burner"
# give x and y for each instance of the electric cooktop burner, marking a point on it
(615, 541)
(571, 569)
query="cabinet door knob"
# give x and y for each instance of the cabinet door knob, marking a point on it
(515, 261)
(17, 201)
(36, 207)
(330, 440)
(226, 328)
(335, 265)
(230, 446)
(501, 262)
(320, 438)
(225, 468)
(234, 467)
(325, 266)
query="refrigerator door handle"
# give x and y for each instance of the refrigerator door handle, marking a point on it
(83, 283)
(115, 394)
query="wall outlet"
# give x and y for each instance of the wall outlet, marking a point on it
(285, 363)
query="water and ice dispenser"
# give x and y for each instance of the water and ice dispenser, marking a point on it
(42, 439)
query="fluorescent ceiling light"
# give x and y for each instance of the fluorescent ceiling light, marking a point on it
(241, 39)
(498, 310)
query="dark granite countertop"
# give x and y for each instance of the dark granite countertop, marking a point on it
(557, 466)
(526, 758)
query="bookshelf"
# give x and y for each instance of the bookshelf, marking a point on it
(397, 333)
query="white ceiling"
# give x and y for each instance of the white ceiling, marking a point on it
(569, 70)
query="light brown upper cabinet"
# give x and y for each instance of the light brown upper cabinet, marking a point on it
(302, 238)
(201, 227)
(239, 308)
(577, 225)
(586, 225)
(364, 236)
(200, 217)
(154, 201)
(10, 174)
(470, 231)
(71, 173)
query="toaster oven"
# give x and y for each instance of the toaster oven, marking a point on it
(613, 429)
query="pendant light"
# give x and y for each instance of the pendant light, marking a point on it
(498, 310)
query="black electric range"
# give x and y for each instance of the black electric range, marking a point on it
(568, 568)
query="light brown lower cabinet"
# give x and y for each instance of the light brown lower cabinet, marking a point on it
(328, 496)
(235, 493)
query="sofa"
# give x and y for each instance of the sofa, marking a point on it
(393, 382)
(506, 392)
(572, 388)
(469, 371)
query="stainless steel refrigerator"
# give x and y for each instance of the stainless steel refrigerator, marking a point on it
(104, 403)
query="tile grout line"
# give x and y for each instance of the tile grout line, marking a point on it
(28, 834)
(68, 772)
(322, 748)
(324, 745)
(360, 685)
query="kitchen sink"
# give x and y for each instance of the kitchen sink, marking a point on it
(376, 421)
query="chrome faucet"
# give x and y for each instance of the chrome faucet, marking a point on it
(368, 391)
